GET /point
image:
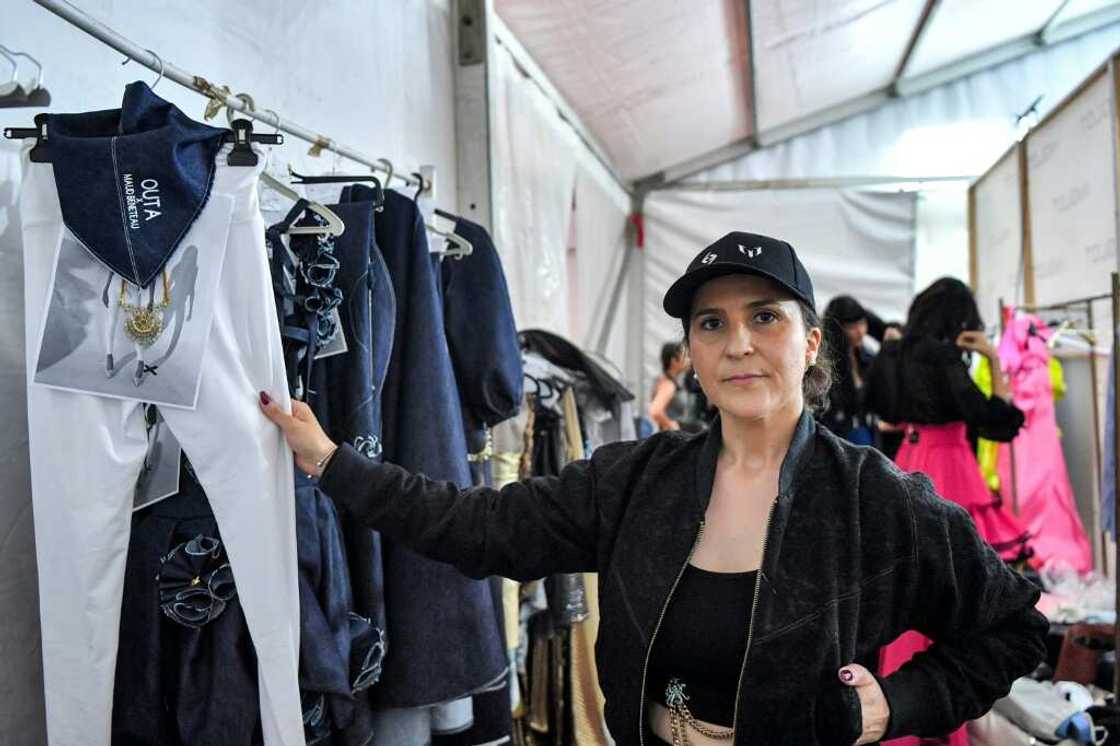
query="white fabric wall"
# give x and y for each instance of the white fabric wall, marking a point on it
(941, 238)
(377, 76)
(601, 242)
(559, 218)
(857, 242)
(533, 176)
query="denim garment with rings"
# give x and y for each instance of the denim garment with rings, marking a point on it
(346, 397)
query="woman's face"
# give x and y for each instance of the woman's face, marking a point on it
(681, 362)
(749, 346)
(855, 332)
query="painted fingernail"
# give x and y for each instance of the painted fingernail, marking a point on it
(846, 675)
(265, 399)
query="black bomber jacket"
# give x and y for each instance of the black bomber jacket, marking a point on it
(856, 553)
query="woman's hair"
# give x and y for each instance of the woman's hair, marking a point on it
(845, 309)
(842, 394)
(669, 352)
(818, 377)
(942, 311)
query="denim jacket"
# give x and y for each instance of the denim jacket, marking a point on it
(856, 553)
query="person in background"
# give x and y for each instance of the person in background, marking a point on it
(923, 380)
(669, 404)
(846, 325)
(890, 434)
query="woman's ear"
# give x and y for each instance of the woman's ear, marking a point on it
(812, 345)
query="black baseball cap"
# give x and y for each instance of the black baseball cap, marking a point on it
(740, 253)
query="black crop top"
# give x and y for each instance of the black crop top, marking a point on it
(702, 641)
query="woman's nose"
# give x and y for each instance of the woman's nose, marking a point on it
(740, 343)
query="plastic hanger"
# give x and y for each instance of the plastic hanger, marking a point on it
(460, 247)
(12, 91)
(334, 226)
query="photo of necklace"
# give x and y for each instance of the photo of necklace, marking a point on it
(144, 323)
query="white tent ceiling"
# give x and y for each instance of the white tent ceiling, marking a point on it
(660, 83)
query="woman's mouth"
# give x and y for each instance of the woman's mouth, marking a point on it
(742, 379)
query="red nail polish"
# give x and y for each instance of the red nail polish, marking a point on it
(265, 399)
(846, 676)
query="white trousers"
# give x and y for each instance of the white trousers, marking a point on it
(86, 452)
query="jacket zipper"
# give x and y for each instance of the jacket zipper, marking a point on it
(649, 650)
(750, 622)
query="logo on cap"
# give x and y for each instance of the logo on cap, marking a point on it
(751, 253)
(709, 258)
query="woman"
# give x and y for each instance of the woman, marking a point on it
(747, 568)
(846, 323)
(934, 394)
(669, 403)
(938, 400)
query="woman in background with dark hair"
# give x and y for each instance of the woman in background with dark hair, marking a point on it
(923, 380)
(669, 406)
(939, 403)
(846, 323)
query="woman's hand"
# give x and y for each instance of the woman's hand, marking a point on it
(304, 434)
(977, 342)
(876, 711)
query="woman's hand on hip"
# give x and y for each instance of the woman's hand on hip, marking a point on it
(304, 434)
(873, 703)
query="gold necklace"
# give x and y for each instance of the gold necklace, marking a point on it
(144, 324)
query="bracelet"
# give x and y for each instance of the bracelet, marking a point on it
(322, 463)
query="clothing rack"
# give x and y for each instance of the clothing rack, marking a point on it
(1087, 302)
(219, 94)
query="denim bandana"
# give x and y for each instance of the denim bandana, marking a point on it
(131, 181)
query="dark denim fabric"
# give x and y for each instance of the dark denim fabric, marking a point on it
(131, 181)
(177, 684)
(481, 333)
(441, 626)
(345, 393)
(342, 613)
(326, 623)
(486, 355)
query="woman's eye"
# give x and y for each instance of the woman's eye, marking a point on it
(766, 317)
(709, 324)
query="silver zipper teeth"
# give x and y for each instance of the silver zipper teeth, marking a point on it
(754, 606)
(649, 650)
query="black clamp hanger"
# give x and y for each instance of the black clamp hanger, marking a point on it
(39, 153)
(241, 135)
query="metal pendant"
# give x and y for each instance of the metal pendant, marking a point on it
(144, 325)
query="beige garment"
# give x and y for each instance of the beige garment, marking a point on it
(587, 698)
(573, 439)
(506, 465)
